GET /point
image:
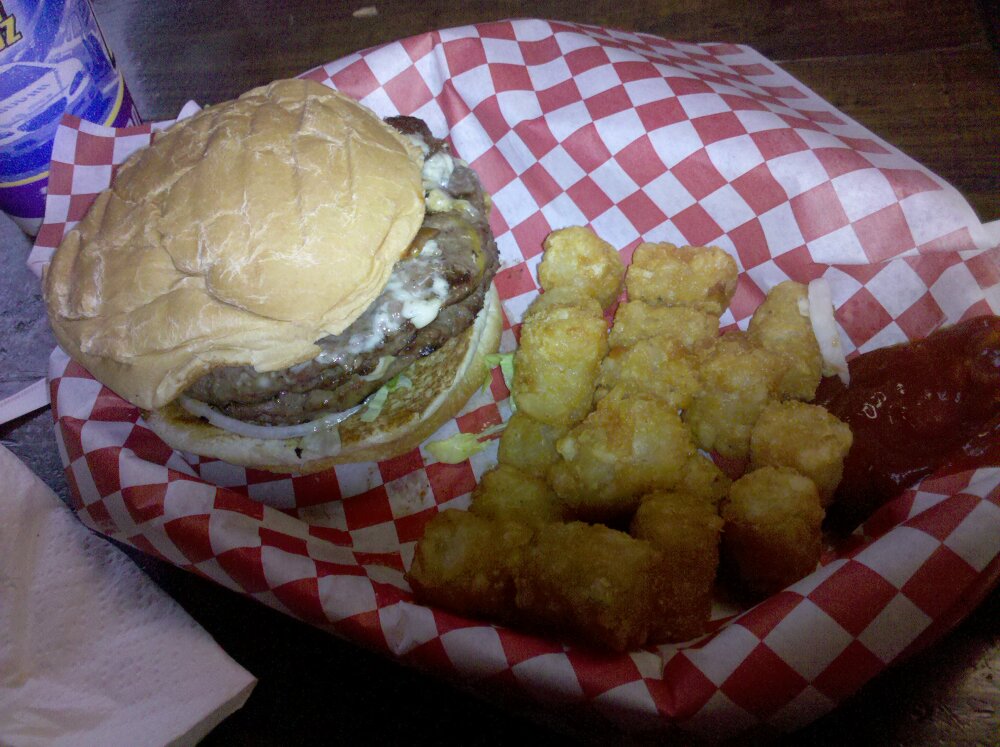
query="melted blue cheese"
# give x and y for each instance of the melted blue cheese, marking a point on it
(420, 307)
(403, 300)
(419, 142)
(383, 323)
(400, 302)
(439, 201)
(438, 170)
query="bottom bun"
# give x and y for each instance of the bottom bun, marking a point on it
(441, 385)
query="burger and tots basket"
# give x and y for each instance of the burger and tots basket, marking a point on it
(643, 139)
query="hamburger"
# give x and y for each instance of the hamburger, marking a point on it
(285, 281)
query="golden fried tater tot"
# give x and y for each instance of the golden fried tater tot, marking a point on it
(590, 582)
(557, 364)
(703, 478)
(701, 277)
(637, 320)
(630, 445)
(507, 494)
(658, 366)
(576, 258)
(804, 437)
(685, 528)
(466, 563)
(564, 298)
(781, 324)
(772, 534)
(529, 444)
(738, 379)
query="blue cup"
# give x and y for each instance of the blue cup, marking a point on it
(53, 61)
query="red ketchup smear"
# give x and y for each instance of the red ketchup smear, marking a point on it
(915, 408)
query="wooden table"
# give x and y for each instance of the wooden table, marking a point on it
(923, 75)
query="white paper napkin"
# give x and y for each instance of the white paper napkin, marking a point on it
(91, 651)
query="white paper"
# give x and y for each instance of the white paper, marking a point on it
(33, 397)
(91, 651)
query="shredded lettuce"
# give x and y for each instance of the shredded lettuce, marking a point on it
(456, 449)
(461, 446)
(506, 363)
(375, 403)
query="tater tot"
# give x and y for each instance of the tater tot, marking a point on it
(772, 534)
(658, 366)
(685, 528)
(507, 494)
(576, 258)
(738, 379)
(781, 324)
(557, 364)
(703, 478)
(590, 582)
(564, 298)
(529, 444)
(804, 437)
(701, 277)
(466, 563)
(637, 320)
(630, 445)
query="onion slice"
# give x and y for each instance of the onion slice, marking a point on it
(264, 432)
(825, 329)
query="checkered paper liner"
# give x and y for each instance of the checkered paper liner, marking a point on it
(643, 139)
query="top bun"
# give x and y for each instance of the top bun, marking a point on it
(239, 237)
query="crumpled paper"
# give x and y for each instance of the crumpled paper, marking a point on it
(91, 650)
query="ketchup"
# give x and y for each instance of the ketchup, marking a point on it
(914, 408)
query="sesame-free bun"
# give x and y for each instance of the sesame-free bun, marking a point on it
(440, 385)
(239, 237)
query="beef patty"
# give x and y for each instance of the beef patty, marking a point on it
(434, 292)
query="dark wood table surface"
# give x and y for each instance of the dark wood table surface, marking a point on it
(923, 74)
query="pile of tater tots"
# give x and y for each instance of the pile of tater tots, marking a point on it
(604, 520)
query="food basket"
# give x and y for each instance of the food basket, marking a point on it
(642, 139)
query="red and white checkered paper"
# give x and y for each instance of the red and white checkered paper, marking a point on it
(642, 139)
